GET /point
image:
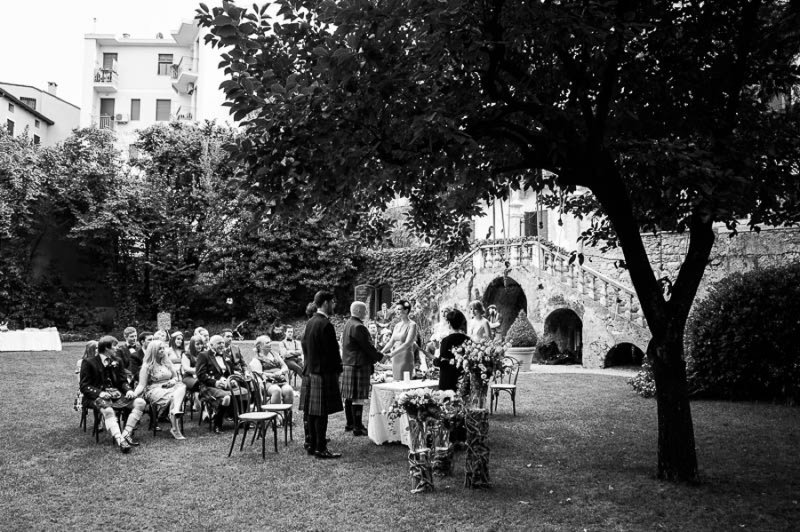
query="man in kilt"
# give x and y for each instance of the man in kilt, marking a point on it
(319, 394)
(105, 387)
(358, 358)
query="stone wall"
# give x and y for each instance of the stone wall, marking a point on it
(740, 253)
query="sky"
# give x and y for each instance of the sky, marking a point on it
(42, 40)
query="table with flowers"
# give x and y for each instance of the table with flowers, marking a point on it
(380, 429)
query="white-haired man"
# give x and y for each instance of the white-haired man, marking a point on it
(358, 362)
(213, 371)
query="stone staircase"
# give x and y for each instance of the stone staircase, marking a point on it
(531, 254)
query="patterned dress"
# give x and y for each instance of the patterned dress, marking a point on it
(155, 393)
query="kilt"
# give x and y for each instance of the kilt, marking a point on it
(319, 394)
(355, 381)
(123, 403)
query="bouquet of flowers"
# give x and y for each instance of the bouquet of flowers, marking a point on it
(418, 403)
(478, 362)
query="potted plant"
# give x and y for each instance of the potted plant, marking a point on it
(522, 340)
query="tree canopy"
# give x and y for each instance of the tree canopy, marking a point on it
(664, 111)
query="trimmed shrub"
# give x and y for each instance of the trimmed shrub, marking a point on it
(643, 382)
(742, 339)
(521, 332)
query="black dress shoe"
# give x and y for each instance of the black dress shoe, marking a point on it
(348, 428)
(327, 455)
(217, 430)
(124, 446)
(358, 431)
(131, 441)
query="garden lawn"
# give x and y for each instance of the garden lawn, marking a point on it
(580, 455)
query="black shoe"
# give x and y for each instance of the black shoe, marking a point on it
(310, 450)
(133, 443)
(124, 446)
(156, 429)
(359, 431)
(217, 430)
(327, 455)
(348, 428)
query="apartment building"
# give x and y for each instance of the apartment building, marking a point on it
(41, 115)
(133, 83)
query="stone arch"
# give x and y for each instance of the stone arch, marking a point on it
(624, 354)
(508, 296)
(564, 327)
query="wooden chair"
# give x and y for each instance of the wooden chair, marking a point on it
(504, 380)
(247, 410)
(157, 416)
(122, 417)
(284, 410)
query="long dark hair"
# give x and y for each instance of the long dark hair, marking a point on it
(456, 320)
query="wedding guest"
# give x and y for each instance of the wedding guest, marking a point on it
(213, 372)
(128, 349)
(384, 315)
(272, 367)
(162, 385)
(478, 328)
(358, 358)
(201, 331)
(161, 335)
(400, 348)
(176, 349)
(105, 387)
(320, 396)
(494, 319)
(189, 363)
(232, 350)
(448, 372)
(137, 359)
(292, 351)
(372, 328)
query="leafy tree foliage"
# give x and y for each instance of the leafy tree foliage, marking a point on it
(662, 110)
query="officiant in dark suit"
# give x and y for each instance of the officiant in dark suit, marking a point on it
(320, 396)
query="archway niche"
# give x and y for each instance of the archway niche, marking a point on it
(508, 296)
(565, 328)
(624, 354)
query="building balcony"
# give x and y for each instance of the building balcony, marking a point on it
(105, 80)
(184, 74)
(103, 122)
(183, 113)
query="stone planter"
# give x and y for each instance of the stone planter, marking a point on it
(523, 354)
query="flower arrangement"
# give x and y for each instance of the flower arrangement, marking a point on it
(521, 332)
(479, 359)
(423, 404)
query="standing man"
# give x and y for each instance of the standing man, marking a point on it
(292, 351)
(358, 358)
(319, 395)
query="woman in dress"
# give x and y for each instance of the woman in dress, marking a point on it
(446, 361)
(271, 366)
(161, 384)
(478, 326)
(401, 346)
(175, 350)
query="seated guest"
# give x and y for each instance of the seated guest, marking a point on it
(89, 352)
(128, 349)
(448, 372)
(234, 353)
(271, 366)
(175, 351)
(136, 360)
(189, 363)
(161, 335)
(162, 385)
(104, 386)
(200, 331)
(292, 351)
(213, 372)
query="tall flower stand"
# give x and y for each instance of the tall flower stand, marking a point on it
(476, 467)
(419, 457)
(442, 448)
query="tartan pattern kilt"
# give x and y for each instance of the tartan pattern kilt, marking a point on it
(319, 394)
(355, 381)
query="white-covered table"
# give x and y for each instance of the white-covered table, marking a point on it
(31, 340)
(379, 429)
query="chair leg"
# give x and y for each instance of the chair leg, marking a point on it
(291, 425)
(514, 402)
(274, 433)
(233, 441)
(264, 443)
(244, 434)
(96, 426)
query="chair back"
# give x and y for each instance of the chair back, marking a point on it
(261, 386)
(243, 393)
(507, 372)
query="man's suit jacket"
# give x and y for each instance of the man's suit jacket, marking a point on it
(209, 372)
(237, 359)
(124, 353)
(92, 378)
(135, 364)
(357, 348)
(320, 346)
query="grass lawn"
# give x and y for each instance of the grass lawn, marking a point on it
(580, 455)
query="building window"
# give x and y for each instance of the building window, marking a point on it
(136, 109)
(110, 62)
(163, 108)
(11, 108)
(30, 102)
(164, 64)
(10, 126)
(36, 123)
(36, 139)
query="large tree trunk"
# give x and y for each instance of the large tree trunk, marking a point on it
(677, 460)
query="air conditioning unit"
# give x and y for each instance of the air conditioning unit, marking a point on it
(121, 118)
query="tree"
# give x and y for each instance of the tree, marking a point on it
(662, 110)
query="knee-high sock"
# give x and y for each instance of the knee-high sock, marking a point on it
(110, 418)
(310, 422)
(135, 415)
(321, 432)
(357, 411)
(348, 413)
